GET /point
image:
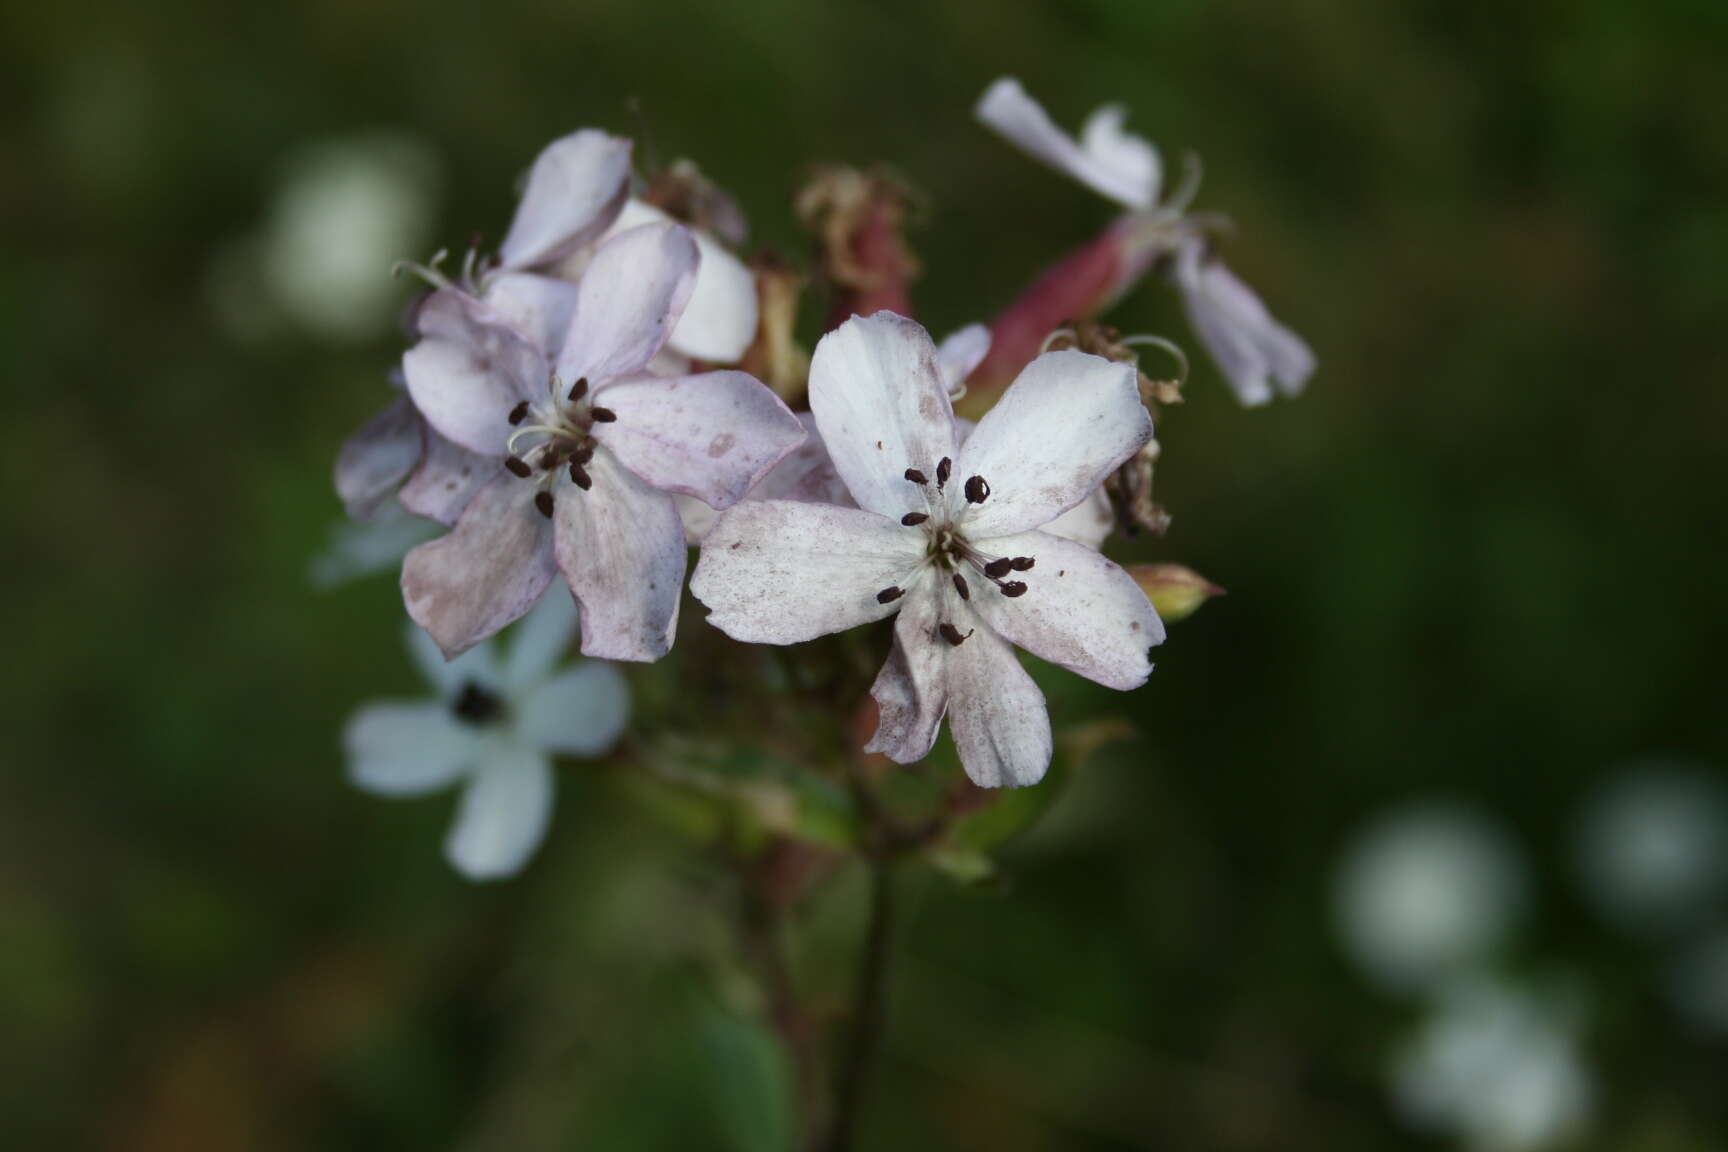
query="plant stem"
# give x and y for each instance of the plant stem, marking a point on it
(871, 1016)
(765, 942)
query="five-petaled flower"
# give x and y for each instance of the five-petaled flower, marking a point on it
(946, 534)
(584, 449)
(495, 725)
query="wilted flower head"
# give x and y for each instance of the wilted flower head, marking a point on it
(946, 535)
(494, 726)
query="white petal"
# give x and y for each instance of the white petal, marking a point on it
(960, 352)
(1132, 158)
(581, 712)
(503, 814)
(1079, 610)
(447, 480)
(1007, 108)
(778, 572)
(1066, 423)
(720, 321)
(698, 518)
(574, 191)
(486, 572)
(710, 436)
(807, 473)
(376, 459)
(357, 549)
(997, 714)
(540, 640)
(1252, 349)
(447, 677)
(911, 691)
(627, 302)
(621, 547)
(537, 307)
(466, 375)
(878, 397)
(399, 748)
(1089, 522)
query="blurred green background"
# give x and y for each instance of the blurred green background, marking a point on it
(1481, 561)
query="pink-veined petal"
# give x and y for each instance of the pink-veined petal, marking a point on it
(621, 547)
(1110, 171)
(877, 393)
(1067, 422)
(377, 458)
(628, 301)
(504, 812)
(466, 374)
(711, 436)
(779, 572)
(575, 190)
(580, 712)
(406, 748)
(486, 572)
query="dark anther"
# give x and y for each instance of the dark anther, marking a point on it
(519, 413)
(960, 587)
(889, 595)
(942, 470)
(1024, 563)
(997, 569)
(476, 705)
(1013, 588)
(517, 466)
(952, 634)
(912, 518)
(583, 454)
(916, 476)
(976, 490)
(602, 415)
(579, 476)
(579, 389)
(543, 501)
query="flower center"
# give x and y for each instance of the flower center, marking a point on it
(476, 705)
(555, 437)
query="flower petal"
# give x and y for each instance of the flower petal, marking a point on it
(879, 400)
(406, 748)
(1132, 159)
(621, 547)
(1079, 611)
(1007, 108)
(539, 641)
(779, 572)
(1066, 423)
(376, 459)
(720, 320)
(581, 712)
(574, 191)
(806, 474)
(447, 480)
(1089, 522)
(628, 301)
(959, 353)
(997, 714)
(710, 436)
(466, 374)
(486, 572)
(503, 814)
(911, 691)
(537, 307)
(1252, 349)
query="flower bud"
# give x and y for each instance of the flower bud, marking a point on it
(1175, 591)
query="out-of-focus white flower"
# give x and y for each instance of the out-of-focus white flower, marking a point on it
(1425, 893)
(493, 727)
(1698, 983)
(1256, 354)
(1651, 848)
(1496, 1066)
(959, 353)
(358, 548)
(345, 210)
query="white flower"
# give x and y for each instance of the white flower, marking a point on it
(1651, 848)
(959, 353)
(1256, 354)
(493, 728)
(946, 535)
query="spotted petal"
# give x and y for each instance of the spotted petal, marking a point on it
(466, 375)
(628, 301)
(779, 572)
(1108, 165)
(503, 814)
(710, 436)
(882, 407)
(1066, 423)
(575, 190)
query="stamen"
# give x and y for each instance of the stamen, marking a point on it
(579, 389)
(960, 587)
(914, 518)
(602, 415)
(889, 595)
(953, 634)
(543, 501)
(579, 476)
(916, 476)
(942, 471)
(1013, 588)
(583, 454)
(977, 490)
(1023, 563)
(519, 413)
(997, 569)
(518, 466)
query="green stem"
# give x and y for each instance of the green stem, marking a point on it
(871, 1016)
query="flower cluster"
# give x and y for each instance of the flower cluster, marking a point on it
(581, 406)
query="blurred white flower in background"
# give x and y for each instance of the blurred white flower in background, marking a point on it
(1650, 848)
(1698, 983)
(1427, 892)
(1496, 1066)
(357, 548)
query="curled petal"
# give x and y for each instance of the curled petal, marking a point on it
(467, 374)
(504, 813)
(581, 712)
(1066, 423)
(881, 405)
(376, 459)
(575, 190)
(486, 572)
(710, 436)
(1253, 351)
(628, 301)
(1112, 164)
(779, 572)
(1132, 159)
(621, 547)
(911, 691)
